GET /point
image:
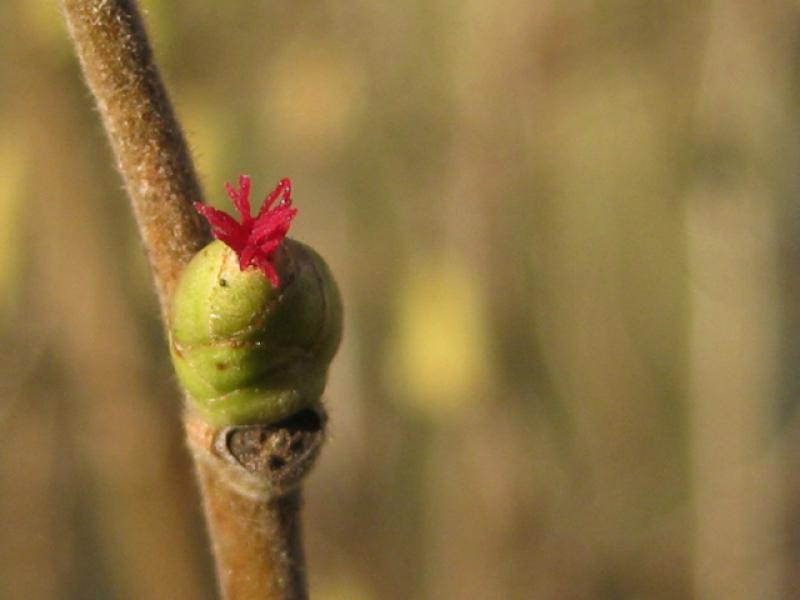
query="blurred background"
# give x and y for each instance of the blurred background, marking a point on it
(567, 238)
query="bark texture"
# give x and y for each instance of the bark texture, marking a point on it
(148, 144)
(251, 488)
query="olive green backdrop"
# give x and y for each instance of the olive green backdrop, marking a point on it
(566, 236)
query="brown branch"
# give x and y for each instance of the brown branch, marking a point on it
(151, 152)
(250, 476)
(256, 501)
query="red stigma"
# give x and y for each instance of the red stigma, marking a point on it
(255, 239)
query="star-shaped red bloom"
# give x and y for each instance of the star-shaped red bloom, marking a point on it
(255, 239)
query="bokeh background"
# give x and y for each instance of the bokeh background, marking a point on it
(567, 238)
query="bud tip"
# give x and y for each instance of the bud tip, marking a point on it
(254, 239)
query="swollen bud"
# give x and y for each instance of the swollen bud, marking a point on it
(256, 318)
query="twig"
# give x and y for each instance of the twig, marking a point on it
(249, 476)
(151, 152)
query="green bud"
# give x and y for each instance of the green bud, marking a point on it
(247, 352)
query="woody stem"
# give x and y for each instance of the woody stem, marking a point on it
(254, 528)
(148, 144)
